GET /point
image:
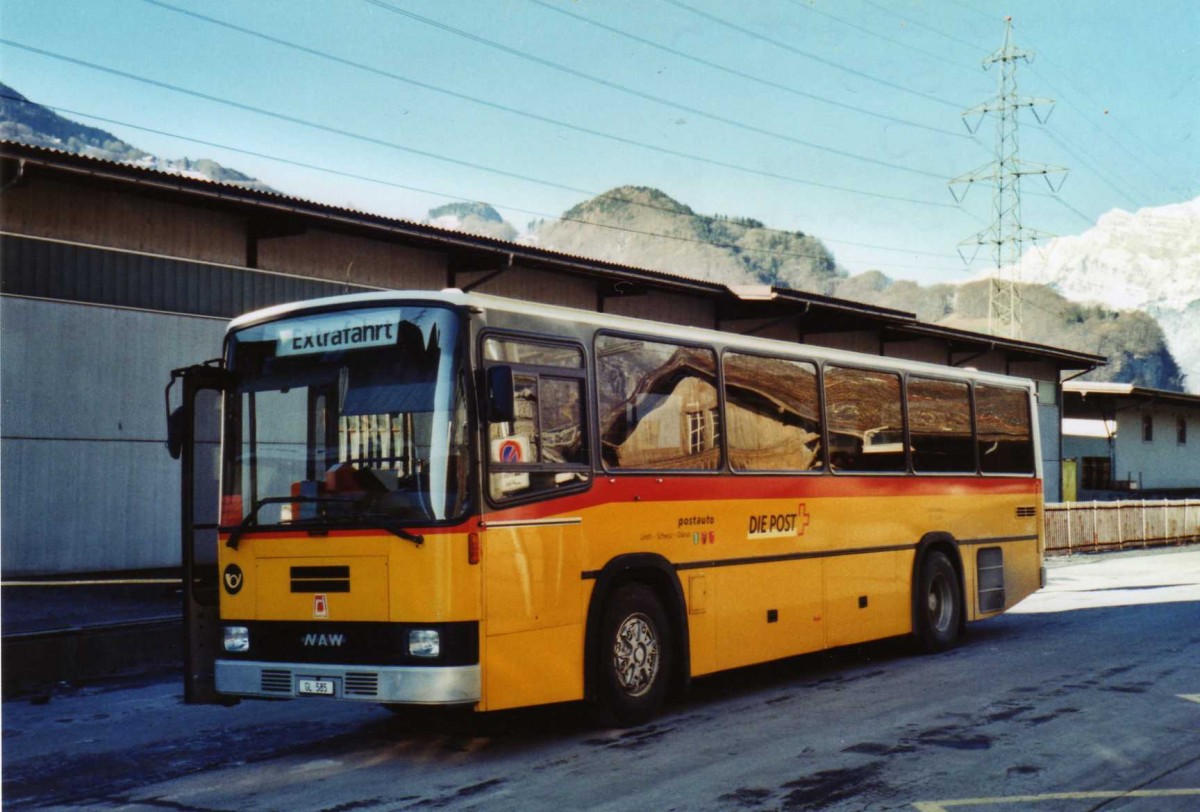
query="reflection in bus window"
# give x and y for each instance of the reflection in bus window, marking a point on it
(866, 420)
(939, 425)
(544, 449)
(1002, 426)
(773, 411)
(530, 353)
(658, 405)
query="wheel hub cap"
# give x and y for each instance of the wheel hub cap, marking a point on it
(635, 655)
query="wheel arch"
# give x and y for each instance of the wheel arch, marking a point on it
(659, 575)
(943, 542)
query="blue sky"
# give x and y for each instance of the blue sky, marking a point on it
(839, 119)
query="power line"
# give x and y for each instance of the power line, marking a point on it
(813, 9)
(743, 75)
(1170, 184)
(446, 195)
(390, 144)
(643, 95)
(806, 54)
(524, 113)
(928, 28)
(1099, 173)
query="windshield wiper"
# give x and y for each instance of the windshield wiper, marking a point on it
(251, 519)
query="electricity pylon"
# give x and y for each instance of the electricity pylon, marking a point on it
(1006, 235)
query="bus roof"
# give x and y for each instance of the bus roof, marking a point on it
(458, 298)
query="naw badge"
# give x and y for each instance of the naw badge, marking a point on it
(320, 606)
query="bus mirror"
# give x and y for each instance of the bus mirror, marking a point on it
(175, 426)
(501, 407)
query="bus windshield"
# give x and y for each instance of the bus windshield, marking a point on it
(349, 418)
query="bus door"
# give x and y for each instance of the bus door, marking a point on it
(194, 439)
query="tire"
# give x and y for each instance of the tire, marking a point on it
(937, 604)
(635, 658)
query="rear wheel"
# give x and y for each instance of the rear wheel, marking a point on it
(938, 604)
(635, 657)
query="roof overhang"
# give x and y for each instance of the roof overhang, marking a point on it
(1092, 400)
(277, 214)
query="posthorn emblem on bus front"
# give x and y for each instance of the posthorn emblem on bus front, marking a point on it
(233, 579)
(320, 606)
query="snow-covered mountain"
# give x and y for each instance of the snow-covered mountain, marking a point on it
(1148, 260)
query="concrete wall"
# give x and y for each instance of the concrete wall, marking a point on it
(87, 482)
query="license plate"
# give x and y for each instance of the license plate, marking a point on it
(316, 687)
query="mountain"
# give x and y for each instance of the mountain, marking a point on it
(1132, 340)
(473, 218)
(31, 123)
(1148, 260)
(622, 225)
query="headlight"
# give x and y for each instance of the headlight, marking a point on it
(424, 643)
(237, 639)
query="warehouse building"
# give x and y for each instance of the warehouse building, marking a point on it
(113, 275)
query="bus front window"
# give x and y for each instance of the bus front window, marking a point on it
(346, 417)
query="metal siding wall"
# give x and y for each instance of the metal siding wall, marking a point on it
(536, 286)
(1049, 419)
(866, 341)
(77, 212)
(668, 307)
(361, 260)
(925, 349)
(52, 270)
(88, 484)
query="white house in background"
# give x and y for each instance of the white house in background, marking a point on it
(1126, 440)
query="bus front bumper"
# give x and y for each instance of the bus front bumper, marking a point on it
(423, 685)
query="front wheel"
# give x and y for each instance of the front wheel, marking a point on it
(938, 604)
(635, 657)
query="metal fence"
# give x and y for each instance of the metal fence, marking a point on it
(1084, 527)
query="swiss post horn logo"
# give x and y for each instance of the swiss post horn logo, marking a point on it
(233, 579)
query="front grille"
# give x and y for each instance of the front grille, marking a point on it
(320, 579)
(361, 684)
(276, 681)
(1027, 512)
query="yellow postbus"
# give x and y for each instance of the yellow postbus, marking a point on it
(446, 498)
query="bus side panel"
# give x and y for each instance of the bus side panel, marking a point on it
(534, 605)
(768, 612)
(866, 597)
(699, 587)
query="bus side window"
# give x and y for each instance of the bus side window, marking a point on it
(543, 450)
(1003, 430)
(939, 425)
(658, 405)
(774, 414)
(866, 420)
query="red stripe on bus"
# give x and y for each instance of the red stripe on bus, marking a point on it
(704, 489)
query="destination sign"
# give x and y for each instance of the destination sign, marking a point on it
(338, 331)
